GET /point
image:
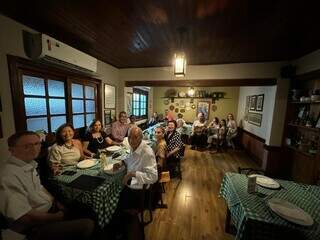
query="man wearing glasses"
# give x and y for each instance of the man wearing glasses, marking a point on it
(26, 204)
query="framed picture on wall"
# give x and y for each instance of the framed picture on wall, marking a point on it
(255, 119)
(107, 117)
(253, 102)
(259, 105)
(204, 107)
(129, 103)
(109, 96)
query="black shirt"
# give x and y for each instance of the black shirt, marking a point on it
(96, 143)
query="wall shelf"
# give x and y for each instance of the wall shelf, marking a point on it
(297, 102)
(304, 127)
(211, 98)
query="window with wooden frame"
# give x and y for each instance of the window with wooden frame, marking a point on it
(45, 97)
(140, 103)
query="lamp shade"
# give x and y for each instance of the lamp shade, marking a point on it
(179, 64)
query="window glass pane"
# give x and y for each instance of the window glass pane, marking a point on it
(89, 92)
(35, 106)
(57, 106)
(34, 124)
(33, 86)
(78, 121)
(76, 90)
(56, 122)
(89, 118)
(77, 106)
(55, 88)
(90, 106)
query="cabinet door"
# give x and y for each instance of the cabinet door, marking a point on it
(303, 168)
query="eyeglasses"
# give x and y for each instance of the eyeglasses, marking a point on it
(30, 145)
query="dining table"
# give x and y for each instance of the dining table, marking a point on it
(254, 219)
(103, 199)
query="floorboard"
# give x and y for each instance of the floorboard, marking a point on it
(195, 210)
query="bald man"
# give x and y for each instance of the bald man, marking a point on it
(141, 169)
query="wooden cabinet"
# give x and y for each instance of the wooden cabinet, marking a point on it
(302, 135)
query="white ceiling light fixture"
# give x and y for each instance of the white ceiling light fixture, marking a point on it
(180, 61)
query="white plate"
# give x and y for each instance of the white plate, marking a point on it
(290, 212)
(113, 148)
(265, 181)
(87, 163)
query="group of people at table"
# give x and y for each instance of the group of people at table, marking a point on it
(31, 210)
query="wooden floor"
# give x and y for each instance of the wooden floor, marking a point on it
(195, 210)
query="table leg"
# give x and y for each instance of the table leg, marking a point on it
(228, 220)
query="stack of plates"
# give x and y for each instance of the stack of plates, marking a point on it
(290, 212)
(109, 168)
(265, 181)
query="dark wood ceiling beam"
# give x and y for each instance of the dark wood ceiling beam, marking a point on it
(205, 83)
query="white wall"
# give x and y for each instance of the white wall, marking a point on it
(267, 114)
(11, 43)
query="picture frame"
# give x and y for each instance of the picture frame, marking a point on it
(255, 119)
(109, 96)
(107, 117)
(129, 103)
(259, 104)
(253, 102)
(204, 107)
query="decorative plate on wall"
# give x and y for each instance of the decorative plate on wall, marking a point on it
(182, 94)
(171, 107)
(176, 110)
(166, 102)
(177, 104)
(182, 103)
(214, 108)
(193, 106)
(182, 110)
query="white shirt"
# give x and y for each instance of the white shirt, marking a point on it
(21, 190)
(143, 162)
(197, 123)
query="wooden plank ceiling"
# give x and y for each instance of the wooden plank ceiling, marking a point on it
(144, 33)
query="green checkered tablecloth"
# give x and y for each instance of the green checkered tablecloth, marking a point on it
(252, 216)
(103, 200)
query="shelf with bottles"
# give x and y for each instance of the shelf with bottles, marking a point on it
(304, 142)
(300, 151)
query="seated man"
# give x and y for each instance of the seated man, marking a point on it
(141, 169)
(26, 204)
(119, 129)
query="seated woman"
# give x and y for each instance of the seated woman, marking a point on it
(222, 132)
(174, 144)
(66, 151)
(213, 132)
(231, 130)
(95, 139)
(180, 123)
(199, 135)
(160, 148)
(153, 120)
(132, 121)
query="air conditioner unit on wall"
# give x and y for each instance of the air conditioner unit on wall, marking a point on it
(44, 47)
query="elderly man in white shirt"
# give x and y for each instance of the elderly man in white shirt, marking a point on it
(141, 169)
(26, 204)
